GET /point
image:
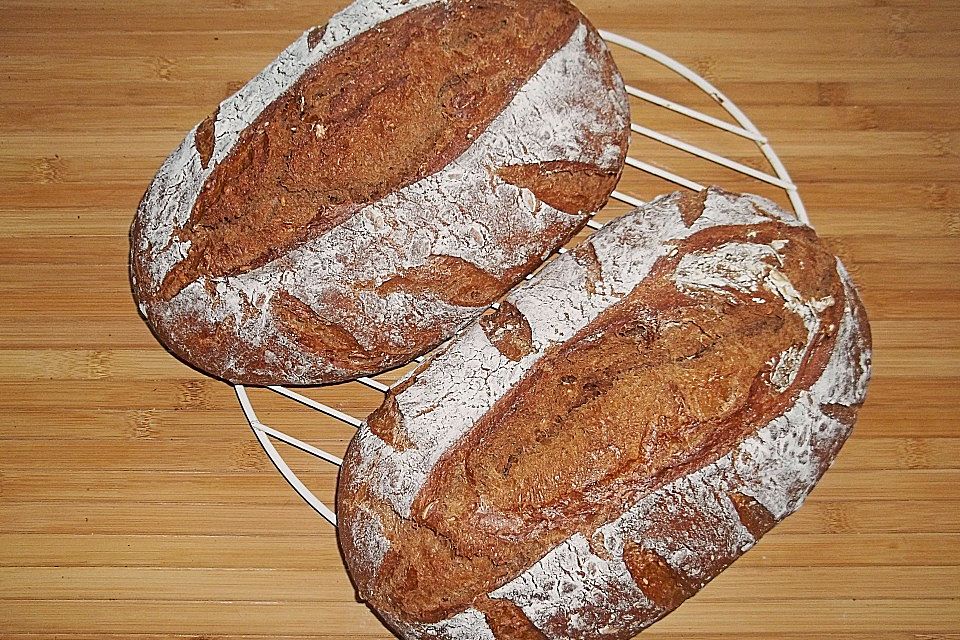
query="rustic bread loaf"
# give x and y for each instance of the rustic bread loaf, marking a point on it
(377, 186)
(627, 424)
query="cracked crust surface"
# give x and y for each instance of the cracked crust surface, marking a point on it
(389, 175)
(678, 400)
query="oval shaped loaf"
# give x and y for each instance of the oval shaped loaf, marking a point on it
(377, 186)
(627, 424)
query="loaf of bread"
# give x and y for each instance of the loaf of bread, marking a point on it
(581, 461)
(377, 186)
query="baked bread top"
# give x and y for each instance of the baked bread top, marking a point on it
(372, 190)
(620, 430)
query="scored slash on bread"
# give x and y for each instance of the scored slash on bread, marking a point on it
(623, 428)
(377, 186)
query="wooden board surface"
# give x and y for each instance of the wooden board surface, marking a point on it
(134, 500)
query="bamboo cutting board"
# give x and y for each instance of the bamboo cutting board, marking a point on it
(135, 502)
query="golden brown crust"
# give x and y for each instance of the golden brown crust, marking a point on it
(508, 330)
(661, 583)
(508, 621)
(326, 340)
(205, 136)
(754, 516)
(572, 187)
(315, 36)
(387, 423)
(691, 206)
(451, 279)
(587, 256)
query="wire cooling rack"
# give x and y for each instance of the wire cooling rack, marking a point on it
(741, 129)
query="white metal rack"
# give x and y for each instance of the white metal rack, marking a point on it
(742, 128)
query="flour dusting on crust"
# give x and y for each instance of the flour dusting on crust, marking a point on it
(557, 304)
(571, 592)
(170, 198)
(463, 211)
(468, 625)
(778, 466)
(695, 524)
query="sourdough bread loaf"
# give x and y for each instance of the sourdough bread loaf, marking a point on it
(627, 424)
(377, 186)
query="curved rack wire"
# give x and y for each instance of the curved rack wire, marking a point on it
(743, 128)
